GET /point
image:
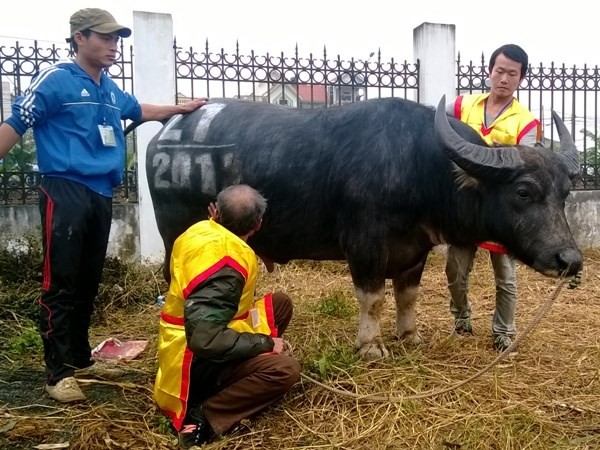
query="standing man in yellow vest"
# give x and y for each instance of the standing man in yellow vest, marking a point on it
(501, 120)
(220, 352)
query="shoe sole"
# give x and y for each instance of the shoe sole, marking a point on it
(77, 399)
(71, 400)
(97, 375)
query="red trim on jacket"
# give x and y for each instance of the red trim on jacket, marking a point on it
(225, 261)
(485, 131)
(242, 316)
(185, 387)
(493, 247)
(271, 315)
(458, 107)
(527, 129)
(185, 384)
(172, 320)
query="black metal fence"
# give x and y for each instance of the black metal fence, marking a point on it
(19, 63)
(302, 82)
(307, 82)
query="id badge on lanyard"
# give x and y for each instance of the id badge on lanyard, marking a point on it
(255, 316)
(107, 134)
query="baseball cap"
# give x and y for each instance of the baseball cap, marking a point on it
(97, 20)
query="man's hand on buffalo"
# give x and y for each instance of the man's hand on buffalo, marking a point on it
(193, 105)
(213, 213)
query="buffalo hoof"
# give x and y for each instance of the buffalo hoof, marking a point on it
(410, 338)
(372, 351)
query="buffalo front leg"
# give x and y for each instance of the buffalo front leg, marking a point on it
(406, 291)
(369, 342)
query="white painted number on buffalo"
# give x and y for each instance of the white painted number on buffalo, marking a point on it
(180, 165)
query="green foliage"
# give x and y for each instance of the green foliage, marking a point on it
(591, 152)
(590, 158)
(28, 341)
(334, 360)
(337, 304)
(164, 425)
(22, 157)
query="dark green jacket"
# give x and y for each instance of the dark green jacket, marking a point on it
(208, 310)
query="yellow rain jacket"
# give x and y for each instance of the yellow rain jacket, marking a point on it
(507, 129)
(200, 252)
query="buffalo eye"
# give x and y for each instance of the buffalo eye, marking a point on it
(523, 193)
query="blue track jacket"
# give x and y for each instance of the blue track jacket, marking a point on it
(65, 106)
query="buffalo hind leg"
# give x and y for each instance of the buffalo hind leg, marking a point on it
(406, 291)
(369, 341)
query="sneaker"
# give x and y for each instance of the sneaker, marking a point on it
(101, 371)
(197, 431)
(66, 391)
(502, 342)
(463, 326)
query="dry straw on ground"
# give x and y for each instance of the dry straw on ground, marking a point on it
(546, 397)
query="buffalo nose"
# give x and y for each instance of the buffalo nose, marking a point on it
(570, 261)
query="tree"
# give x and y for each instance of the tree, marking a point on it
(22, 157)
(590, 158)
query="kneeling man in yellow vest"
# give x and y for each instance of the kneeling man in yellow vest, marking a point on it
(220, 352)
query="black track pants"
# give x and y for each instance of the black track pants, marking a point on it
(75, 229)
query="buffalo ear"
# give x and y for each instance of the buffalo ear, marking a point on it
(464, 180)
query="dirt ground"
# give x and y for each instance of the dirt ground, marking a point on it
(547, 397)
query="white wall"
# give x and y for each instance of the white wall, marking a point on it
(434, 44)
(123, 242)
(154, 75)
(583, 213)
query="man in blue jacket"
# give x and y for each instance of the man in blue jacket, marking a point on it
(75, 111)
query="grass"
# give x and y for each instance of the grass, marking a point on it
(337, 304)
(547, 397)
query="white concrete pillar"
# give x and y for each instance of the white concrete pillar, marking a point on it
(154, 82)
(434, 44)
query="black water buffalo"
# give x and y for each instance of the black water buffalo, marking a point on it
(376, 183)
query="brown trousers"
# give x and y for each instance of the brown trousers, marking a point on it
(245, 388)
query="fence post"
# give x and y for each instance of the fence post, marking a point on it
(434, 45)
(154, 82)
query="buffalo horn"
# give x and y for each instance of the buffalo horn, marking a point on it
(477, 160)
(568, 150)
